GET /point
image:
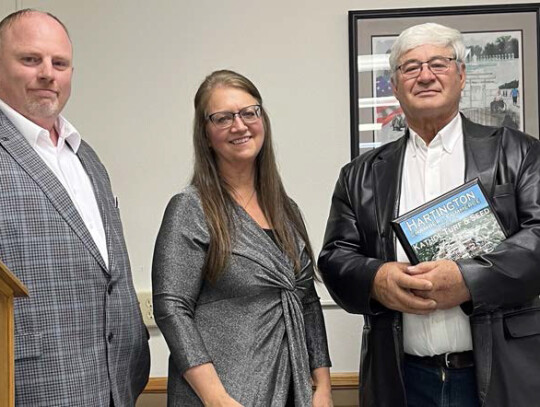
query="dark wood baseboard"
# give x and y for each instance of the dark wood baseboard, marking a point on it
(156, 385)
(340, 381)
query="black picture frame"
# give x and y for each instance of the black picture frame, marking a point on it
(367, 26)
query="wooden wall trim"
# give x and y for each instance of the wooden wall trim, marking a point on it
(340, 381)
(156, 385)
(343, 381)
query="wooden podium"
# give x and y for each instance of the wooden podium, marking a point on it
(10, 287)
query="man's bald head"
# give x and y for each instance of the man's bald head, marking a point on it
(9, 20)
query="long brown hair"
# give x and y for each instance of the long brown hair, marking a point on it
(217, 201)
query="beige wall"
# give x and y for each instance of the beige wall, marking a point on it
(138, 64)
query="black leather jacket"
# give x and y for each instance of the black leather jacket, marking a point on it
(504, 285)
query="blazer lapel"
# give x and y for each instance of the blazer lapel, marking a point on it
(481, 153)
(387, 169)
(17, 146)
(101, 192)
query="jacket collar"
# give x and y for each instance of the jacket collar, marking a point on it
(387, 167)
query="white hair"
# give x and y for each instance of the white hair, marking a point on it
(427, 34)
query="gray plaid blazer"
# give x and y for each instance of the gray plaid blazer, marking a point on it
(79, 337)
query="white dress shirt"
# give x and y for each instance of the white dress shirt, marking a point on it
(63, 161)
(429, 171)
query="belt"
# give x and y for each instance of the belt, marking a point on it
(457, 360)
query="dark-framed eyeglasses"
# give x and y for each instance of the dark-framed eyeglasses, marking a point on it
(437, 65)
(224, 120)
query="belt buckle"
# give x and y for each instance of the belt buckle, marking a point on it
(446, 360)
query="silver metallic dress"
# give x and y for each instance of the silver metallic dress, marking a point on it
(260, 324)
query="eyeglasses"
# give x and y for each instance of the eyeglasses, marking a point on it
(437, 65)
(224, 120)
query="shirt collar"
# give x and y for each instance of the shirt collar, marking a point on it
(449, 135)
(31, 131)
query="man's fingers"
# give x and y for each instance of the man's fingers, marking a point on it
(421, 267)
(393, 287)
(416, 305)
(411, 283)
(422, 293)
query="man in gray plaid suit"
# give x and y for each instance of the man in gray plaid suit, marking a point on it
(79, 337)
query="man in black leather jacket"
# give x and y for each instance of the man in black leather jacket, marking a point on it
(454, 333)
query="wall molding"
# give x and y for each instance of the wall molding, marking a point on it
(156, 385)
(340, 381)
(344, 381)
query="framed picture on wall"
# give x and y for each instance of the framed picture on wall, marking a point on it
(502, 85)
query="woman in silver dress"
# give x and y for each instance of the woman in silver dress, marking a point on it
(233, 268)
